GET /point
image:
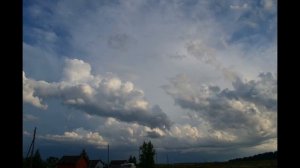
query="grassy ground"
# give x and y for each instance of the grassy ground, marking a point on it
(239, 164)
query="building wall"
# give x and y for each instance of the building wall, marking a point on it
(82, 163)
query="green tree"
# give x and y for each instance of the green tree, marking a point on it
(83, 153)
(26, 162)
(132, 159)
(51, 162)
(147, 153)
(37, 161)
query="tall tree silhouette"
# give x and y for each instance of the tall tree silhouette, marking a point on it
(132, 159)
(52, 161)
(37, 160)
(147, 155)
(83, 153)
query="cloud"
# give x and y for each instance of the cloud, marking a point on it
(128, 134)
(187, 132)
(207, 54)
(96, 95)
(76, 71)
(29, 117)
(248, 111)
(26, 133)
(155, 133)
(120, 41)
(239, 7)
(41, 35)
(124, 134)
(182, 137)
(216, 44)
(79, 135)
(268, 145)
(262, 92)
(28, 93)
(268, 4)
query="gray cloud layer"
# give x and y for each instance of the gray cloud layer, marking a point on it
(248, 111)
(146, 42)
(103, 96)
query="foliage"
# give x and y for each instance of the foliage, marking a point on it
(83, 153)
(51, 162)
(132, 159)
(37, 161)
(147, 153)
(262, 156)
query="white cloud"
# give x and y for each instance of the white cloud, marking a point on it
(29, 117)
(186, 131)
(127, 133)
(239, 7)
(79, 135)
(268, 4)
(26, 133)
(155, 133)
(76, 71)
(29, 93)
(106, 97)
(120, 133)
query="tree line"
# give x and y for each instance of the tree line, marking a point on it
(262, 156)
(38, 162)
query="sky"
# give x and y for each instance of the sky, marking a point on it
(197, 78)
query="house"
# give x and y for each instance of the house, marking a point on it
(73, 162)
(117, 163)
(96, 164)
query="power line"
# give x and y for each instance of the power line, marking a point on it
(31, 148)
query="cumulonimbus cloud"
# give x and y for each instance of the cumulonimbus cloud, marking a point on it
(96, 95)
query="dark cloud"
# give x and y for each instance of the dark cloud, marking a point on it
(262, 92)
(153, 135)
(248, 110)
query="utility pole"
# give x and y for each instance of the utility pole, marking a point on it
(31, 148)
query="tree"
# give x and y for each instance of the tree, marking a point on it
(37, 161)
(132, 159)
(83, 153)
(147, 155)
(26, 162)
(52, 161)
